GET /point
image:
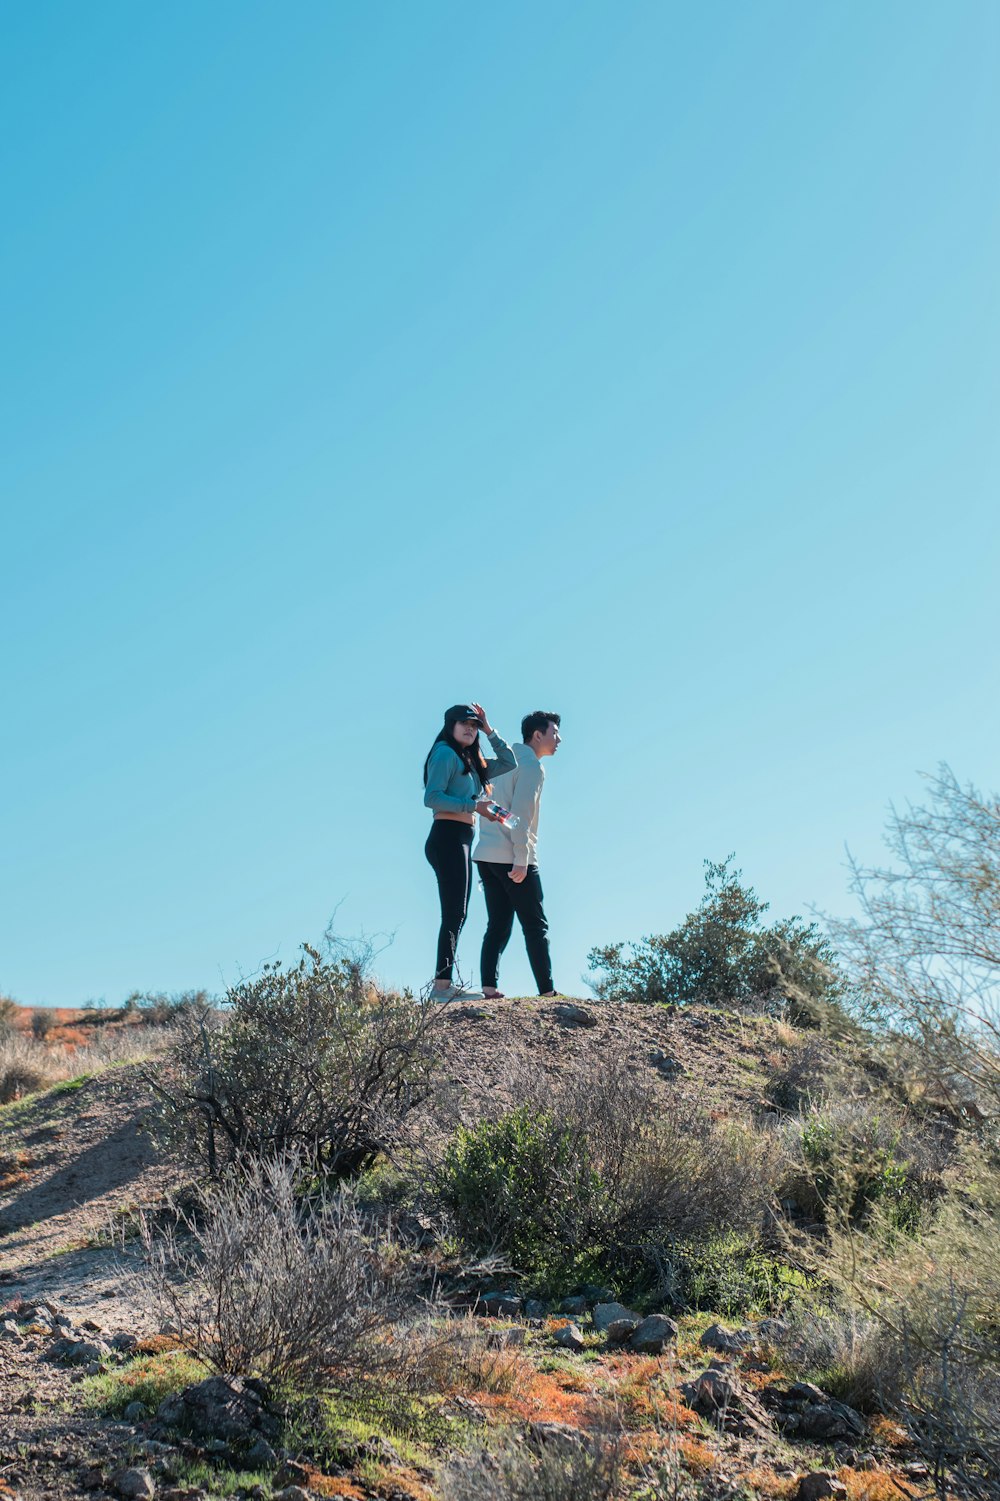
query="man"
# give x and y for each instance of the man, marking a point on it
(506, 858)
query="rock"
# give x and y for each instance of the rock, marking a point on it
(573, 1306)
(772, 1330)
(123, 1342)
(136, 1412)
(804, 1391)
(224, 1407)
(594, 1293)
(290, 1474)
(830, 1420)
(820, 1483)
(77, 1351)
(575, 1016)
(719, 1395)
(291, 1493)
(508, 1339)
(569, 1338)
(502, 1305)
(709, 1391)
(534, 1308)
(607, 1313)
(664, 1064)
(136, 1484)
(620, 1330)
(652, 1334)
(729, 1341)
(9, 1330)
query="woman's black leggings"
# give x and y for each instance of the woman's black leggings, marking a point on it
(449, 850)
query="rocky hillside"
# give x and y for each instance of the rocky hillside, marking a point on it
(689, 1400)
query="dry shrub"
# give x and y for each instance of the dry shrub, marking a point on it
(936, 1298)
(445, 1354)
(846, 1352)
(316, 1062)
(264, 1285)
(539, 1470)
(604, 1175)
(27, 1066)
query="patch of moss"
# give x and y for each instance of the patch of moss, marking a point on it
(147, 1379)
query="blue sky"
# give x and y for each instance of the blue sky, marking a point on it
(638, 361)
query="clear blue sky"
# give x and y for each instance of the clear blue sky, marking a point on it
(634, 360)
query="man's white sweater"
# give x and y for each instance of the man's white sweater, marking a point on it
(519, 790)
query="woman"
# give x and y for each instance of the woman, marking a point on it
(456, 787)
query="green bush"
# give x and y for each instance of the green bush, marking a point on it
(603, 1177)
(723, 955)
(729, 1274)
(525, 1184)
(852, 1162)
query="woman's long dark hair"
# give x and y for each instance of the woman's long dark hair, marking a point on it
(470, 756)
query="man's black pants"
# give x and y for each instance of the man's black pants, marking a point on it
(505, 900)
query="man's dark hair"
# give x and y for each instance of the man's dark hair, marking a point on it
(540, 720)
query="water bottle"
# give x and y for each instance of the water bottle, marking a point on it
(504, 815)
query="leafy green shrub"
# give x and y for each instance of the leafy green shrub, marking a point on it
(729, 1274)
(602, 1176)
(852, 1159)
(525, 1184)
(314, 1062)
(722, 955)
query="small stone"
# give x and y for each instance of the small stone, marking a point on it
(260, 1455)
(805, 1391)
(534, 1308)
(620, 1330)
(502, 1305)
(290, 1474)
(569, 1338)
(607, 1313)
(652, 1334)
(9, 1330)
(134, 1484)
(818, 1484)
(773, 1330)
(575, 1016)
(729, 1341)
(123, 1342)
(573, 1306)
(290, 1493)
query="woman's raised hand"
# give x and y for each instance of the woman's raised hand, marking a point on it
(484, 723)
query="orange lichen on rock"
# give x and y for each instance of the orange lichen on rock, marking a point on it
(157, 1344)
(765, 1482)
(875, 1485)
(888, 1432)
(335, 1485)
(697, 1457)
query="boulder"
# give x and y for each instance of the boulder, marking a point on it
(619, 1331)
(502, 1305)
(573, 1306)
(222, 1407)
(606, 1314)
(534, 1308)
(819, 1484)
(729, 1341)
(569, 1338)
(653, 1334)
(137, 1485)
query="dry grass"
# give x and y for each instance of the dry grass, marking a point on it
(28, 1064)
